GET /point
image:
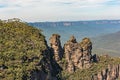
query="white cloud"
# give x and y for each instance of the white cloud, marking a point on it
(34, 10)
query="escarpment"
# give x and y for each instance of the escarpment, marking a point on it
(24, 53)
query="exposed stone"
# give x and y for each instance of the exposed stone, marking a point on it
(70, 67)
(110, 73)
(99, 76)
(48, 68)
(104, 71)
(86, 45)
(56, 46)
(73, 39)
(79, 55)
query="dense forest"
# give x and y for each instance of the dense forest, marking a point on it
(20, 50)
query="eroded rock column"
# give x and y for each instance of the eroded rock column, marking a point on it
(86, 45)
(78, 55)
(56, 47)
(73, 54)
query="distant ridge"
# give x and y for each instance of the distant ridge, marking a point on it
(109, 44)
(73, 23)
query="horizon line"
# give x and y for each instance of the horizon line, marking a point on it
(74, 20)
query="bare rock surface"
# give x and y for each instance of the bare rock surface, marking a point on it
(56, 47)
(78, 55)
(112, 72)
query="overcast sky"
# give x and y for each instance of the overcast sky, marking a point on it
(59, 10)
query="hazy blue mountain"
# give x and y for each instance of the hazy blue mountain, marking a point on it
(80, 30)
(105, 32)
(73, 23)
(107, 44)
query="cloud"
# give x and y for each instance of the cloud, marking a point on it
(34, 10)
(55, 3)
(30, 3)
(19, 3)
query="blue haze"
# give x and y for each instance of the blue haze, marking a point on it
(84, 30)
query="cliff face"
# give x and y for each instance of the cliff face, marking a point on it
(77, 56)
(112, 72)
(56, 47)
(24, 53)
(49, 69)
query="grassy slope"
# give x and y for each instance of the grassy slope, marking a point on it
(107, 44)
(19, 44)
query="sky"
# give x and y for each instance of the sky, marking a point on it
(59, 10)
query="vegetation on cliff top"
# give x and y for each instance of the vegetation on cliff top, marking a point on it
(20, 49)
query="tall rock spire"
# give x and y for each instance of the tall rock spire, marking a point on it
(78, 55)
(56, 46)
(86, 45)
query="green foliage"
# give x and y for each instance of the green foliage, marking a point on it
(20, 50)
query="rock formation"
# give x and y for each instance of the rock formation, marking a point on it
(48, 68)
(86, 45)
(56, 47)
(112, 72)
(78, 55)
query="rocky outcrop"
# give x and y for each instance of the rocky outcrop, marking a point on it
(112, 72)
(56, 47)
(86, 45)
(78, 55)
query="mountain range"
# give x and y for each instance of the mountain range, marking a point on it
(108, 44)
(73, 23)
(104, 33)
